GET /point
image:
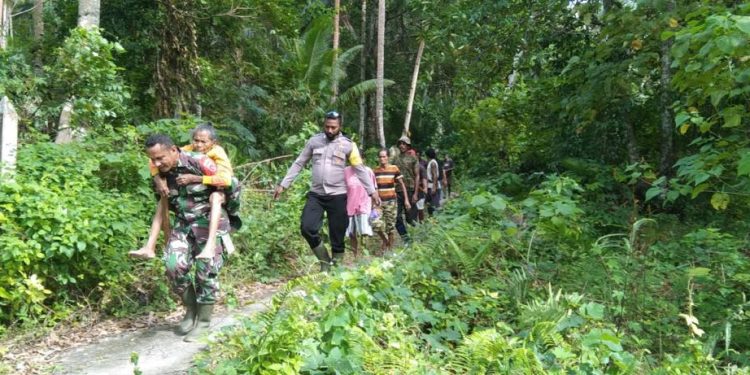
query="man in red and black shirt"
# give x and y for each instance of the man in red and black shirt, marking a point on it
(389, 178)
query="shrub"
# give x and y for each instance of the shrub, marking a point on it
(66, 228)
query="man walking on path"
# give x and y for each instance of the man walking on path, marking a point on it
(448, 166)
(330, 152)
(389, 179)
(408, 164)
(190, 204)
(433, 182)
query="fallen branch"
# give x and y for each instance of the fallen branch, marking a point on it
(262, 161)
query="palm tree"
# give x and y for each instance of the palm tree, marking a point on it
(316, 68)
(6, 8)
(379, 74)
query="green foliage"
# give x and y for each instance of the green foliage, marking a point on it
(464, 298)
(553, 206)
(493, 132)
(20, 83)
(67, 225)
(710, 54)
(84, 72)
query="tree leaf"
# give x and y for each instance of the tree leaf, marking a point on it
(681, 118)
(699, 272)
(743, 23)
(733, 116)
(652, 192)
(743, 166)
(720, 201)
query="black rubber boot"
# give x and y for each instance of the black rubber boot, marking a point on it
(322, 254)
(202, 322)
(188, 321)
(235, 222)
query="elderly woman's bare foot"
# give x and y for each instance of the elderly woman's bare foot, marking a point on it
(142, 253)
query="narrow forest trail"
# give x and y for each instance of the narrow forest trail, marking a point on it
(105, 347)
(159, 349)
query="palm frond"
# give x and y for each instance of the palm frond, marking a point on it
(362, 88)
(343, 60)
(317, 54)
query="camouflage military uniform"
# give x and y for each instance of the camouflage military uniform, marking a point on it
(191, 206)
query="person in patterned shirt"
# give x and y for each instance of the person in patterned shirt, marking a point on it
(389, 179)
(189, 202)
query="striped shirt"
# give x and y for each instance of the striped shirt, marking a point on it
(387, 177)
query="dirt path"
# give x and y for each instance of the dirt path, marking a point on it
(106, 347)
(160, 350)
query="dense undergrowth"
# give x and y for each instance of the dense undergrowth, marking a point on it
(552, 281)
(72, 213)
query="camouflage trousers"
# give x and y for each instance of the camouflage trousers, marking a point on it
(185, 243)
(386, 223)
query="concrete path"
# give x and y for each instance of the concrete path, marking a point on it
(159, 349)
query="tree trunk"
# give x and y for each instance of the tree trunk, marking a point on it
(37, 17)
(8, 139)
(88, 13)
(634, 154)
(6, 7)
(177, 73)
(665, 102)
(363, 75)
(64, 131)
(379, 74)
(334, 65)
(413, 88)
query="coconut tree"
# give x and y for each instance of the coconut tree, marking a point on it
(380, 74)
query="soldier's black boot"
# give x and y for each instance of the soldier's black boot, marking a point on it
(188, 321)
(202, 322)
(322, 254)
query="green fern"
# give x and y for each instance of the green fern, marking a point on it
(518, 286)
(550, 310)
(545, 335)
(485, 352)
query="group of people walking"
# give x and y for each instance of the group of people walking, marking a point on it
(359, 201)
(195, 182)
